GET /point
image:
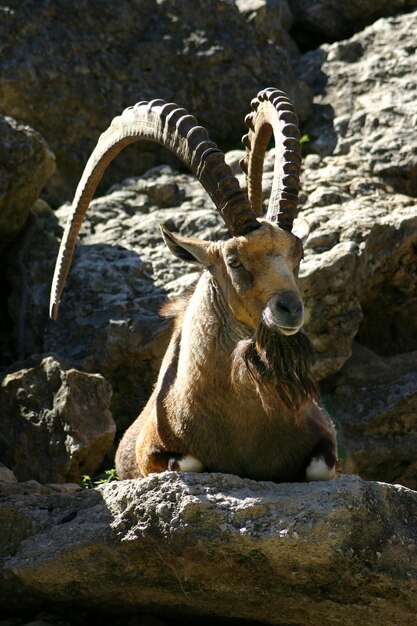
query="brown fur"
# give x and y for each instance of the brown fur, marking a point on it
(279, 366)
(234, 392)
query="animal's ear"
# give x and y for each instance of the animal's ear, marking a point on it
(188, 248)
(301, 229)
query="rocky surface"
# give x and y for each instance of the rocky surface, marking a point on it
(83, 64)
(319, 21)
(375, 404)
(335, 552)
(26, 163)
(364, 95)
(56, 423)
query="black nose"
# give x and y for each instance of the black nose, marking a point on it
(289, 308)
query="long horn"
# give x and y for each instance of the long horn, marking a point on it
(272, 112)
(172, 127)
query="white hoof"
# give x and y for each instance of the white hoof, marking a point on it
(319, 470)
(189, 463)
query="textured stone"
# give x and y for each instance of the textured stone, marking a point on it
(365, 90)
(26, 163)
(334, 552)
(361, 192)
(359, 265)
(271, 18)
(375, 403)
(84, 63)
(56, 424)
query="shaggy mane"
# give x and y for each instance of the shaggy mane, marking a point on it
(279, 367)
(175, 307)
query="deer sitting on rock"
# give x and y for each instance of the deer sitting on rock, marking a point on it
(234, 393)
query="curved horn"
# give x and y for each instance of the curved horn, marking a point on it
(272, 112)
(175, 129)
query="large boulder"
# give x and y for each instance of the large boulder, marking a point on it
(26, 164)
(359, 259)
(55, 421)
(83, 64)
(214, 545)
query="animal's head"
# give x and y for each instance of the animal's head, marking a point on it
(257, 267)
(257, 273)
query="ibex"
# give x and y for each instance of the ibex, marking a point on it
(234, 393)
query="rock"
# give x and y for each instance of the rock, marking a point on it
(26, 163)
(365, 91)
(375, 404)
(271, 18)
(56, 424)
(358, 263)
(316, 22)
(361, 193)
(341, 551)
(84, 64)
(6, 475)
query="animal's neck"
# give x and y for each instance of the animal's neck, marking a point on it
(209, 334)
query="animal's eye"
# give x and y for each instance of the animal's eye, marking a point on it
(234, 262)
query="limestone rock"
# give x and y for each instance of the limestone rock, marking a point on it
(316, 22)
(83, 64)
(361, 193)
(334, 552)
(365, 91)
(375, 402)
(359, 265)
(26, 163)
(56, 424)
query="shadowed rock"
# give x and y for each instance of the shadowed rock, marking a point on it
(375, 402)
(56, 424)
(26, 163)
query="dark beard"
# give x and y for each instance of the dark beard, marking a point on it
(279, 366)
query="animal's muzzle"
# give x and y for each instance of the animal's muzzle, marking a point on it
(285, 312)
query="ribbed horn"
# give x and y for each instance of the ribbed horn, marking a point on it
(172, 127)
(272, 112)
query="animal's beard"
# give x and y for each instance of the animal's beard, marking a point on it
(279, 367)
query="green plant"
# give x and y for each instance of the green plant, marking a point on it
(107, 477)
(304, 141)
